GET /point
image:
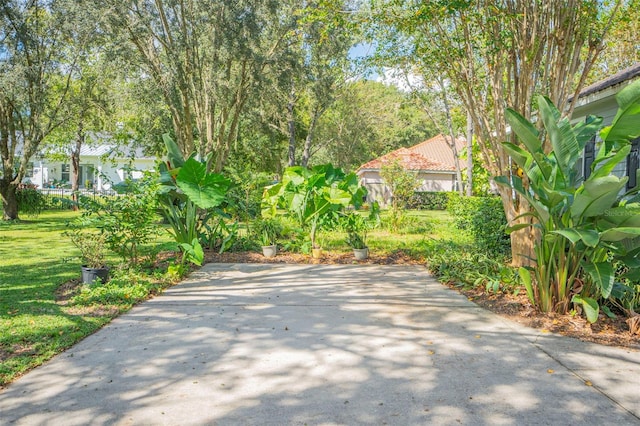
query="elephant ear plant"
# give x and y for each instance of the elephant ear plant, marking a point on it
(586, 227)
(187, 191)
(312, 197)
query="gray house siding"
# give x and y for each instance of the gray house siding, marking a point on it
(599, 100)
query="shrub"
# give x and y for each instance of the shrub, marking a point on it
(484, 219)
(127, 221)
(30, 201)
(428, 201)
(125, 289)
(465, 266)
(266, 231)
(403, 184)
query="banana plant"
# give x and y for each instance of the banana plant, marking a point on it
(584, 225)
(187, 189)
(312, 196)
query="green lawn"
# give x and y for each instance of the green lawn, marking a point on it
(36, 259)
(420, 227)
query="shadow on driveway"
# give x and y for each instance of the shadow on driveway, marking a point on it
(324, 344)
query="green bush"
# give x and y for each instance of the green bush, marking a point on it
(429, 201)
(128, 220)
(484, 219)
(465, 266)
(125, 289)
(30, 201)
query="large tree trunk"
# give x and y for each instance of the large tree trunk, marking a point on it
(75, 166)
(522, 241)
(452, 142)
(469, 155)
(306, 154)
(9, 200)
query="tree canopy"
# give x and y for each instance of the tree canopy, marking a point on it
(262, 85)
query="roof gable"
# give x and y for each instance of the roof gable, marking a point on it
(431, 155)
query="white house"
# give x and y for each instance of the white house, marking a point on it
(432, 161)
(101, 166)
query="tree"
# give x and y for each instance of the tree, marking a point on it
(310, 78)
(501, 53)
(88, 109)
(622, 46)
(403, 184)
(205, 58)
(370, 119)
(39, 52)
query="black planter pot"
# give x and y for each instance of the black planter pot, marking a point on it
(89, 275)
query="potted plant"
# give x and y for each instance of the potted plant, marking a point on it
(267, 231)
(313, 197)
(92, 248)
(356, 227)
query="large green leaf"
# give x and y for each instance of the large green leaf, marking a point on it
(521, 157)
(338, 196)
(526, 131)
(295, 175)
(619, 234)
(206, 190)
(586, 130)
(596, 197)
(623, 216)
(625, 124)
(590, 307)
(525, 276)
(605, 163)
(176, 159)
(602, 274)
(589, 237)
(563, 140)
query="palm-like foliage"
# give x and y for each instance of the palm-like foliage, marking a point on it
(584, 226)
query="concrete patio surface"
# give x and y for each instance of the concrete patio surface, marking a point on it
(275, 344)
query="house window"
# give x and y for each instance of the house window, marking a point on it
(29, 171)
(589, 156)
(632, 165)
(65, 173)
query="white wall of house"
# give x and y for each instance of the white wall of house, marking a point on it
(430, 182)
(94, 172)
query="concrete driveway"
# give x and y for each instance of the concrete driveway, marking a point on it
(257, 344)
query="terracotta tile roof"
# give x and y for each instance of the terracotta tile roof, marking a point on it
(437, 149)
(408, 159)
(433, 154)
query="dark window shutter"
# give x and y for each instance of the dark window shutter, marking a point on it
(632, 165)
(589, 155)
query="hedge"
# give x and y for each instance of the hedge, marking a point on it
(484, 219)
(428, 201)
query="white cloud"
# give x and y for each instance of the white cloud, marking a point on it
(403, 80)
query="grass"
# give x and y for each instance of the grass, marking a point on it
(36, 260)
(420, 227)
